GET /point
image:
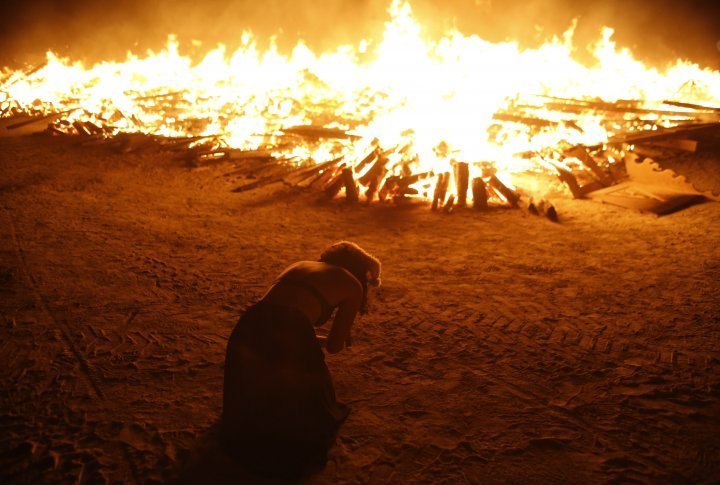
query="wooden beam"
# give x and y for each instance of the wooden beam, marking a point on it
(510, 195)
(525, 120)
(480, 196)
(312, 131)
(334, 185)
(462, 177)
(351, 189)
(440, 190)
(581, 153)
(653, 135)
(682, 144)
(449, 204)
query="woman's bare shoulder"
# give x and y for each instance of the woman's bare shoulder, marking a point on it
(323, 275)
(303, 268)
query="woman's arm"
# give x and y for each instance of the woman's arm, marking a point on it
(344, 317)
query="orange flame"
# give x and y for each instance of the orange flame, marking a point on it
(404, 91)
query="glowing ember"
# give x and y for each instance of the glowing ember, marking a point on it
(424, 103)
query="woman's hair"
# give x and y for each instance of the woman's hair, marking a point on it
(362, 265)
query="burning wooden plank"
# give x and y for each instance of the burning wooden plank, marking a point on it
(440, 190)
(81, 129)
(133, 142)
(374, 176)
(462, 178)
(581, 153)
(449, 204)
(255, 168)
(303, 173)
(374, 172)
(351, 188)
(629, 197)
(21, 125)
(682, 144)
(399, 186)
(312, 131)
(525, 120)
(291, 176)
(183, 143)
(160, 96)
(258, 183)
(335, 184)
(369, 158)
(578, 191)
(390, 184)
(625, 106)
(660, 134)
(699, 107)
(649, 188)
(323, 177)
(250, 159)
(236, 154)
(508, 194)
(374, 185)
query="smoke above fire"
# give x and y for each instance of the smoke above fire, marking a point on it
(658, 31)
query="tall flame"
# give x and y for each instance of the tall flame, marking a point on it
(438, 97)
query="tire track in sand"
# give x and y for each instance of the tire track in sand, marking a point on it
(61, 324)
(64, 329)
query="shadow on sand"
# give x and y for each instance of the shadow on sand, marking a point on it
(209, 462)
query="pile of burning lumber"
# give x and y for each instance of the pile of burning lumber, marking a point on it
(364, 171)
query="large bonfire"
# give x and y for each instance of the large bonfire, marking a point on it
(400, 116)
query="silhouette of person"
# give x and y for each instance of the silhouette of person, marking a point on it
(280, 415)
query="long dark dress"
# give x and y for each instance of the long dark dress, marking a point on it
(280, 415)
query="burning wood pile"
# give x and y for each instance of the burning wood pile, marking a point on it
(456, 123)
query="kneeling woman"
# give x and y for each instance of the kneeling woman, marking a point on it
(280, 414)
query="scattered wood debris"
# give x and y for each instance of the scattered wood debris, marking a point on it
(388, 174)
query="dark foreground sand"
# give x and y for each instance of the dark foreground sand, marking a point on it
(501, 348)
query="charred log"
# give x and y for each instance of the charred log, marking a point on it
(551, 213)
(542, 208)
(480, 195)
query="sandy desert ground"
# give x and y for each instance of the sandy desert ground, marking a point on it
(501, 347)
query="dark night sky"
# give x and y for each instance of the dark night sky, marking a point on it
(656, 30)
